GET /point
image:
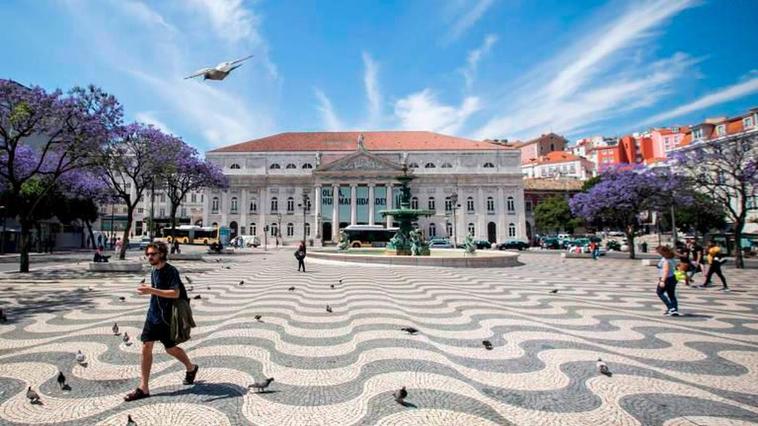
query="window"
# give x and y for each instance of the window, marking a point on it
(413, 166)
(490, 205)
(235, 166)
(274, 229)
(528, 205)
(489, 166)
(511, 230)
(747, 122)
(163, 197)
(184, 212)
(430, 204)
(140, 210)
(432, 230)
(448, 204)
(429, 166)
(307, 229)
(274, 204)
(162, 212)
(307, 166)
(214, 205)
(414, 203)
(721, 129)
(697, 134)
(275, 166)
(291, 166)
(471, 229)
(193, 197)
(253, 229)
(233, 208)
(511, 205)
(470, 204)
(290, 205)
(447, 166)
(752, 202)
(449, 229)
(290, 229)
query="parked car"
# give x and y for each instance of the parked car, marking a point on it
(613, 245)
(550, 243)
(616, 234)
(564, 236)
(480, 244)
(513, 244)
(143, 242)
(440, 243)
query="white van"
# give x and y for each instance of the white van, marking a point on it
(564, 236)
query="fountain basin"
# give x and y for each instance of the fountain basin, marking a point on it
(453, 258)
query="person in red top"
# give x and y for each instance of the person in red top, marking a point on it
(593, 250)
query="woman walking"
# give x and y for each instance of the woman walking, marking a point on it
(300, 256)
(666, 289)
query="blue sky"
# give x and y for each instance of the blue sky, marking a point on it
(480, 68)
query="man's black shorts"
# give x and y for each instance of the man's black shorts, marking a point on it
(157, 332)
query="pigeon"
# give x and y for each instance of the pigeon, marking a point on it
(198, 297)
(220, 71)
(331, 285)
(32, 396)
(115, 329)
(409, 330)
(3, 317)
(328, 309)
(340, 280)
(126, 338)
(602, 368)
(241, 282)
(61, 379)
(191, 288)
(189, 280)
(400, 395)
(89, 288)
(142, 281)
(258, 318)
(291, 288)
(209, 287)
(227, 267)
(218, 260)
(259, 386)
(130, 421)
(80, 357)
(487, 344)
(554, 291)
(122, 298)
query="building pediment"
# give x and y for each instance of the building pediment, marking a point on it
(361, 161)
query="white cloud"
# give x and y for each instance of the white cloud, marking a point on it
(230, 19)
(726, 94)
(422, 111)
(328, 116)
(148, 117)
(467, 16)
(144, 13)
(590, 82)
(473, 58)
(373, 95)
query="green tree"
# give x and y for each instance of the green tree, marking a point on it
(554, 214)
(589, 183)
(702, 216)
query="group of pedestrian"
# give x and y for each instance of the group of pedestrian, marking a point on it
(681, 265)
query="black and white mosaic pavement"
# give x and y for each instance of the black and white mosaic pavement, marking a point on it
(341, 368)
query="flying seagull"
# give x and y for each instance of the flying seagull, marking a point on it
(220, 71)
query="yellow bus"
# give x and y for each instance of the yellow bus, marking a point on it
(191, 234)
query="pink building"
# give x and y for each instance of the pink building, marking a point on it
(665, 139)
(540, 146)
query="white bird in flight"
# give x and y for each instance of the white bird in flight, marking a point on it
(220, 71)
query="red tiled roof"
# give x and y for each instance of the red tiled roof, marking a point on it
(554, 157)
(373, 141)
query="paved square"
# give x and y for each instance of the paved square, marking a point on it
(341, 368)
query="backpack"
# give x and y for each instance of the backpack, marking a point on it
(299, 254)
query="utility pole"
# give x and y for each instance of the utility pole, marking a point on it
(152, 210)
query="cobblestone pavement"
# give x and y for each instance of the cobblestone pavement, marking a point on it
(341, 368)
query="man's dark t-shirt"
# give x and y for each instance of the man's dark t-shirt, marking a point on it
(166, 278)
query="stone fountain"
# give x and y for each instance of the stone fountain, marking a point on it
(407, 240)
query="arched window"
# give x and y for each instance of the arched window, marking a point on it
(413, 166)
(414, 203)
(449, 229)
(307, 229)
(511, 205)
(471, 229)
(511, 229)
(291, 166)
(490, 204)
(448, 204)
(253, 229)
(307, 166)
(489, 166)
(290, 229)
(233, 206)
(290, 205)
(274, 229)
(275, 166)
(430, 204)
(470, 204)
(429, 166)
(214, 205)
(274, 204)
(234, 166)
(432, 230)
(253, 206)
(447, 166)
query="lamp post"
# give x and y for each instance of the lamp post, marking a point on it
(279, 228)
(305, 206)
(454, 201)
(113, 232)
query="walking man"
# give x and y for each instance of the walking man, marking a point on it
(300, 256)
(166, 285)
(714, 259)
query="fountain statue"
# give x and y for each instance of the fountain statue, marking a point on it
(344, 242)
(469, 245)
(407, 241)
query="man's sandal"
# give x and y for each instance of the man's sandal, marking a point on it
(135, 395)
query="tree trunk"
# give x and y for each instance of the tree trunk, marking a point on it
(630, 241)
(127, 230)
(739, 262)
(174, 208)
(25, 246)
(91, 234)
(38, 227)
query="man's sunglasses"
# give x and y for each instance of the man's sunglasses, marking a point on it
(151, 254)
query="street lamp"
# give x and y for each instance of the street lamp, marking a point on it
(278, 228)
(305, 206)
(454, 202)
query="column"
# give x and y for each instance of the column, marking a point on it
(206, 208)
(502, 224)
(461, 226)
(520, 213)
(371, 203)
(244, 207)
(481, 215)
(317, 213)
(262, 206)
(353, 202)
(390, 203)
(335, 212)
(224, 209)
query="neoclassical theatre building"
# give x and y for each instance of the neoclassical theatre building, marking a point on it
(314, 183)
